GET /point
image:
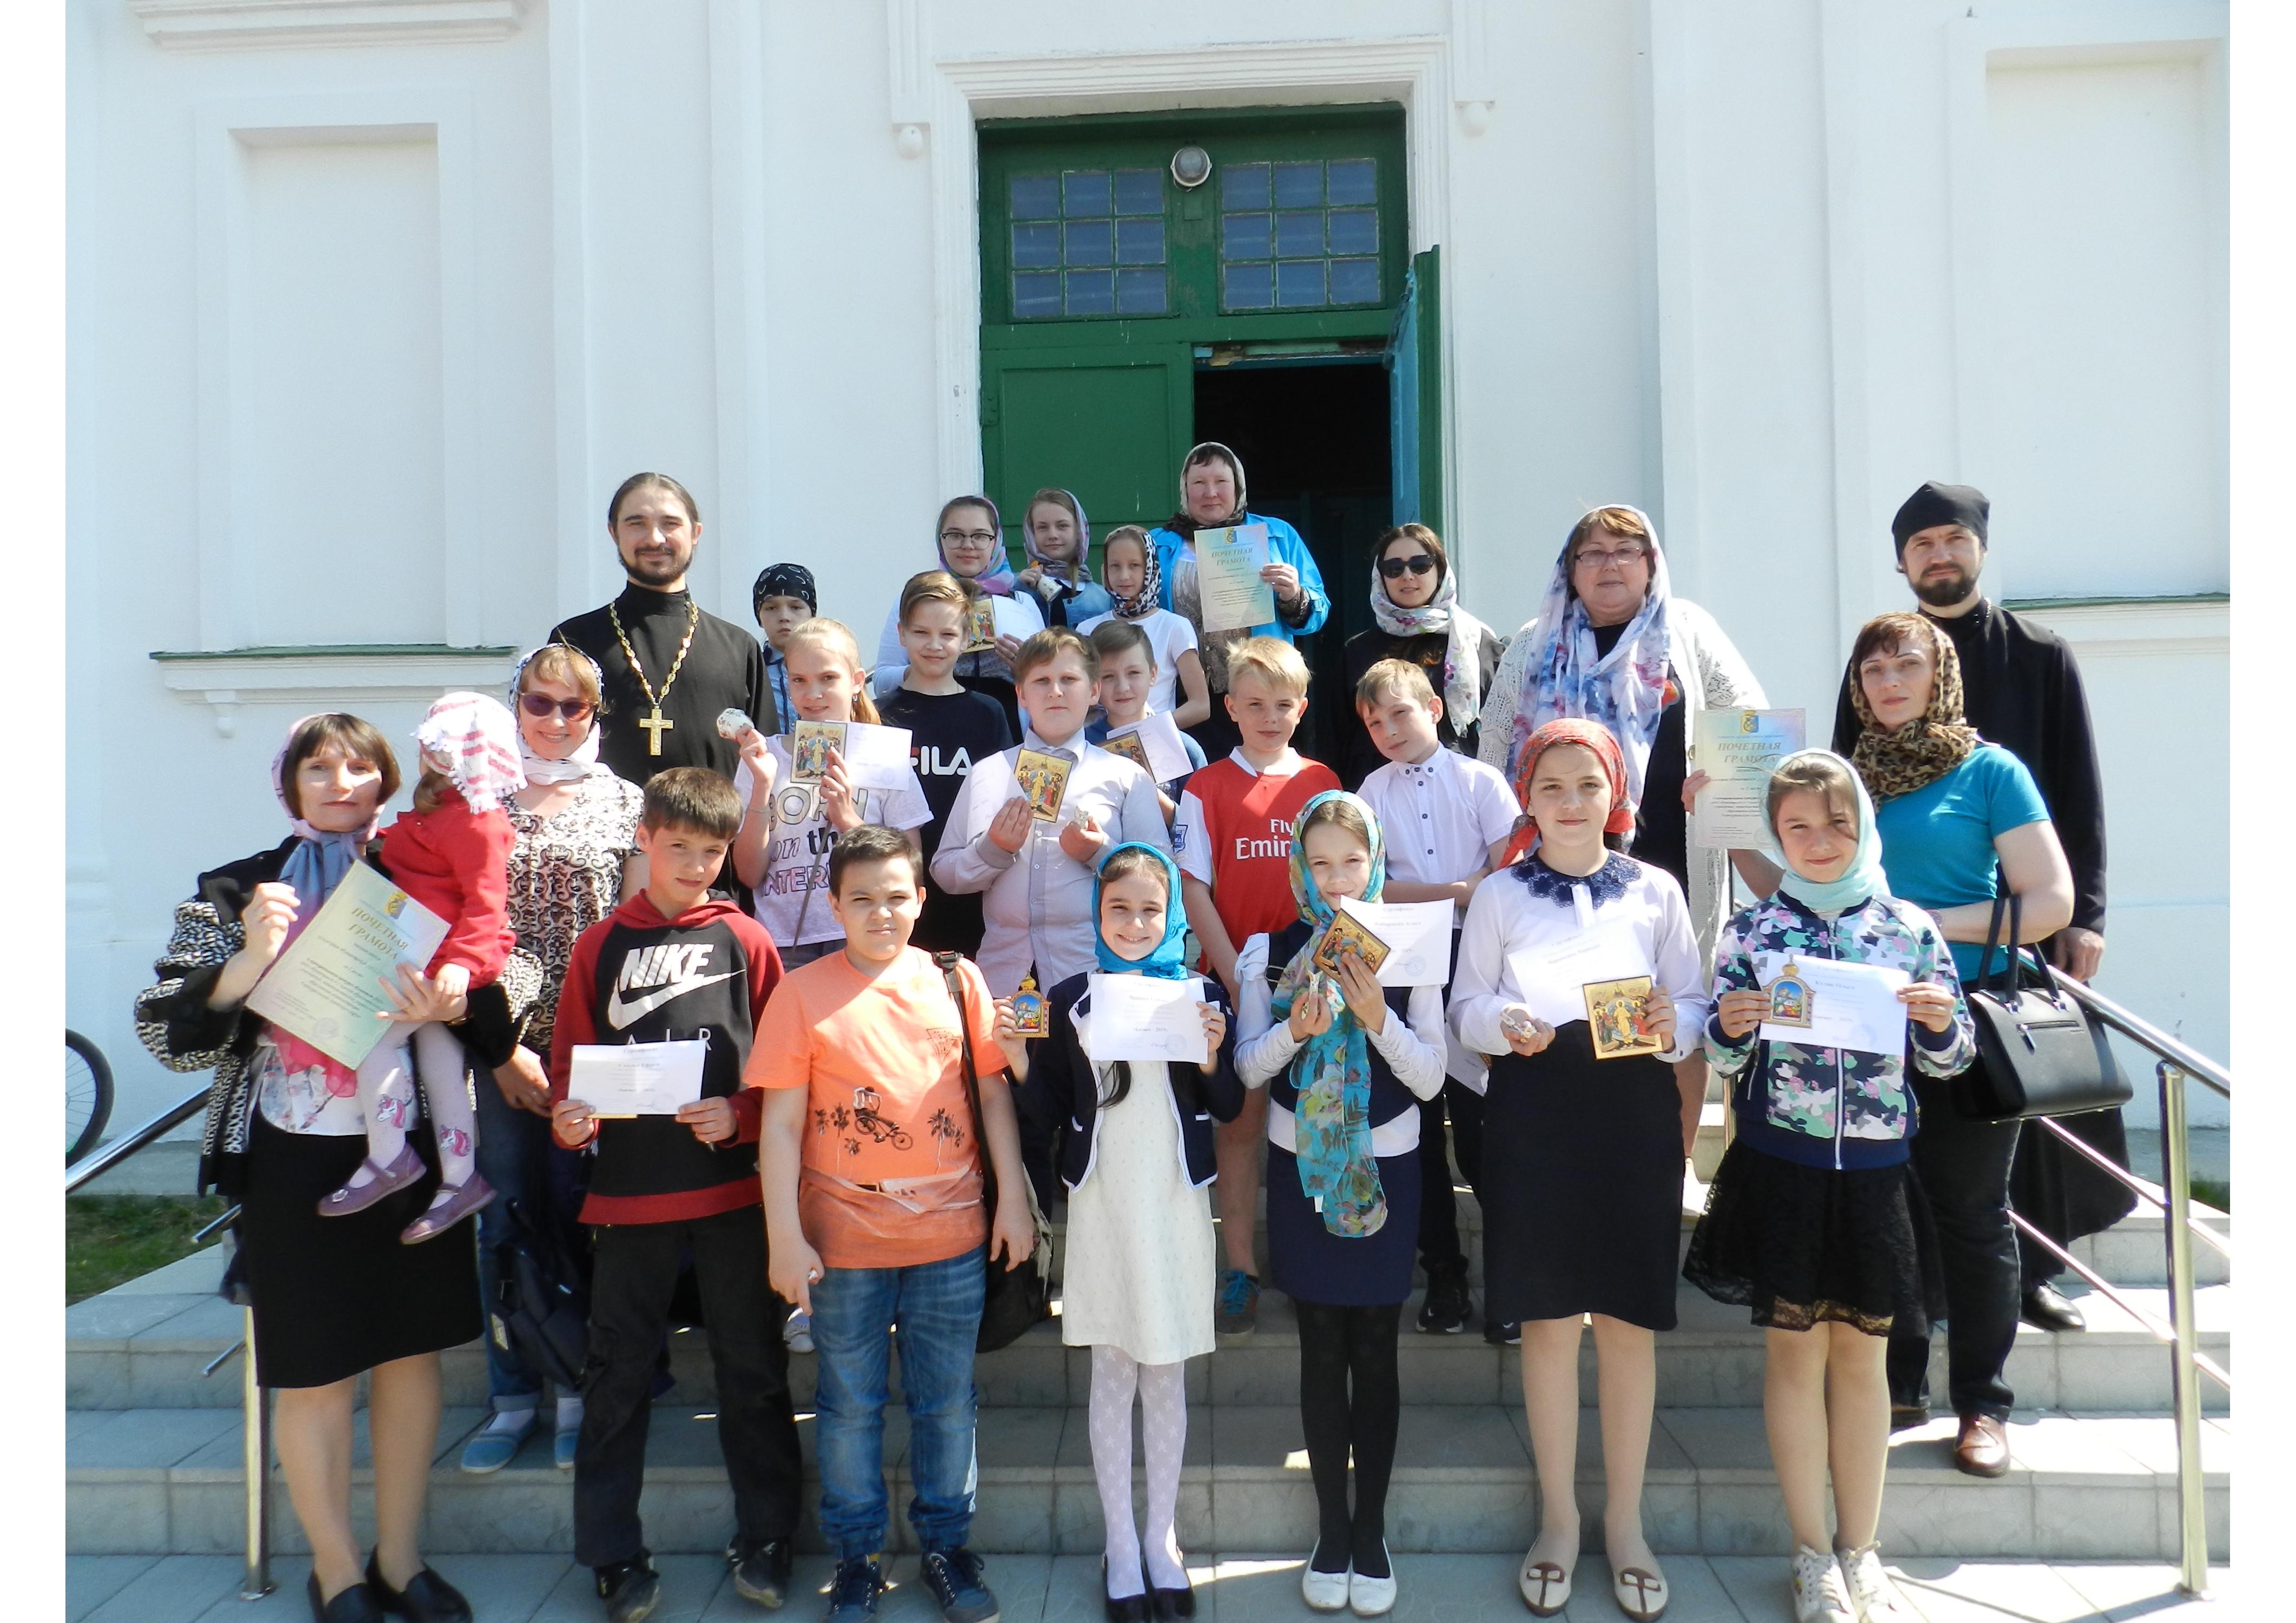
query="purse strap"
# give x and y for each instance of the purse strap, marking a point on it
(948, 963)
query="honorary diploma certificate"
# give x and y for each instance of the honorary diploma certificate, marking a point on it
(629, 1079)
(1228, 562)
(327, 987)
(1739, 750)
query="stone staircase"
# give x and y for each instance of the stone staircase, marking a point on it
(154, 1445)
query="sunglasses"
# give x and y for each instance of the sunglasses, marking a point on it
(1394, 568)
(538, 705)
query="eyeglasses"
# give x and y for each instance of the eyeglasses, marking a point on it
(977, 537)
(1394, 568)
(1589, 558)
(539, 705)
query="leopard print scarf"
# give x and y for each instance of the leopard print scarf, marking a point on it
(1926, 748)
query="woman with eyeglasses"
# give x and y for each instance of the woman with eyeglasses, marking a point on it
(971, 539)
(1414, 598)
(575, 859)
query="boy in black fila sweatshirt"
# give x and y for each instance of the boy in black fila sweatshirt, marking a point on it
(675, 964)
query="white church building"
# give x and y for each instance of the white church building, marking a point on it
(373, 302)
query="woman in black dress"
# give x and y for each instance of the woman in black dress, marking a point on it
(1414, 598)
(334, 1297)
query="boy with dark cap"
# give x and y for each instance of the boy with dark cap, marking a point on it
(782, 600)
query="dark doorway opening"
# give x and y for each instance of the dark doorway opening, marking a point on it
(1314, 439)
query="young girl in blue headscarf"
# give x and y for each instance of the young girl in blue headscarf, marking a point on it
(1138, 1281)
(1812, 1220)
(1346, 1061)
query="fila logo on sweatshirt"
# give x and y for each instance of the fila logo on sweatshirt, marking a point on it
(671, 970)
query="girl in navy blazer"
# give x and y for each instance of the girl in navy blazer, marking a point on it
(1138, 1283)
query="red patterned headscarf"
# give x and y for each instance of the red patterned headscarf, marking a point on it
(1570, 730)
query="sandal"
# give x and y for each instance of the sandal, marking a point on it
(1641, 1594)
(1546, 1586)
(404, 1169)
(452, 1204)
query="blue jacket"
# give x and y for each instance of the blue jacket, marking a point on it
(1064, 1085)
(1283, 546)
(1828, 1107)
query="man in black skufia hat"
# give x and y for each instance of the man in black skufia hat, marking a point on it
(2022, 689)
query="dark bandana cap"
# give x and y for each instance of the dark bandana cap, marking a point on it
(784, 580)
(1934, 505)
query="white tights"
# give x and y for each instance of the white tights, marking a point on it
(386, 1095)
(1164, 1431)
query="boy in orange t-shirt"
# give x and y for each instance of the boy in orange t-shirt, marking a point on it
(874, 1217)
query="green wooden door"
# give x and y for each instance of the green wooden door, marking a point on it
(1108, 422)
(1415, 365)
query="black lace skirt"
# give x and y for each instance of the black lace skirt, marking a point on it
(1802, 1245)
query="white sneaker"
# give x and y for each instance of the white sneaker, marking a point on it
(797, 1331)
(1372, 1597)
(1324, 1591)
(1871, 1594)
(1819, 1595)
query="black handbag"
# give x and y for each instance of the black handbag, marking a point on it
(1014, 1299)
(2040, 1053)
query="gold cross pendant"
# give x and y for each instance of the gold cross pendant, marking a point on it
(654, 724)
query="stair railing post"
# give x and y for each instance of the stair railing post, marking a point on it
(256, 1462)
(2176, 1179)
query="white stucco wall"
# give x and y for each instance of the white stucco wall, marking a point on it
(1759, 269)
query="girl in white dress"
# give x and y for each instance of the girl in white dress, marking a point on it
(1138, 1281)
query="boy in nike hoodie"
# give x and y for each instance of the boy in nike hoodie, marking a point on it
(674, 963)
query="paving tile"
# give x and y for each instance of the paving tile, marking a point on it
(1695, 1594)
(1761, 1586)
(1947, 1589)
(2145, 1590)
(1722, 1444)
(114, 1317)
(149, 1437)
(1969, 1521)
(290, 1597)
(2107, 1523)
(1076, 1440)
(689, 1584)
(118, 1517)
(176, 1589)
(90, 1580)
(197, 1274)
(1459, 1441)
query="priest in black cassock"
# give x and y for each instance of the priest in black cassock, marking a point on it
(2022, 689)
(668, 668)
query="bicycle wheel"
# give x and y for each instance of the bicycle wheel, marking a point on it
(87, 1095)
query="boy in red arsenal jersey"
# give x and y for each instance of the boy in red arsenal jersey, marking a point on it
(1232, 837)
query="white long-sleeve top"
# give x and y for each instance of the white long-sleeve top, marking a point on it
(1506, 916)
(1036, 906)
(1413, 1048)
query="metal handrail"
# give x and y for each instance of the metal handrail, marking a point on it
(2175, 1062)
(255, 1401)
(2152, 1193)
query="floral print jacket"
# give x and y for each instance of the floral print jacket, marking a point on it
(1828, 1107)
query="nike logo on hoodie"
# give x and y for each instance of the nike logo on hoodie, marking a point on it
(662, 974)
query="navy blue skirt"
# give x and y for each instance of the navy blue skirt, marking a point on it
(1314, 1264)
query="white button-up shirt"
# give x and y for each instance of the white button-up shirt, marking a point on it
(1441, 817)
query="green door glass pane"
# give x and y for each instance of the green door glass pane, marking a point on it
(1088, 242)
(1036, 244)
(1084, 193)
(1140, 241)
(1036, 293)
(1243, 186)
(1323, 234)
(1035, 197)
(1351, 180)
(1354, 282)
(1354, 231)
(1248, 287)
(1091, 292)
(1140, 192)
(1140, 292)
(1298, 283)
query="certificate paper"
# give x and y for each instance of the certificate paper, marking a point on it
(1553, 980)
(1144, 1017)
(1158, 738)
(323, 987)
(1739, 750)
(875, 757)
(1418, 937)
(1228, 562)
(618, 1080)
(1851, 1005)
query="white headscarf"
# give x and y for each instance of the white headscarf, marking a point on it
(479, 742)
(1462, 653)
(584, 762)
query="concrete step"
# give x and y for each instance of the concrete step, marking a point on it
(1233, 1586)
(168, 1481)
(144, 1347)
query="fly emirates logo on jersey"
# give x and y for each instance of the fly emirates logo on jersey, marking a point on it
(1277, 845)
(653, 976)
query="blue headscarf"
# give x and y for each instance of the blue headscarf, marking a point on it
(1331, 1118)
(1863, 880)
(1167, 962)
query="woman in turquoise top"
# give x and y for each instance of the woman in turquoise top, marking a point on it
(1959, 819)
(1212, 497)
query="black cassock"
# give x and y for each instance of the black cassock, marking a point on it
(724, 669)
(2022, 689)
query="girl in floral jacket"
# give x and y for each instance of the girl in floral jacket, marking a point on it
(1814, 1220)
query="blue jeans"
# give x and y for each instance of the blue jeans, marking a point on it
(938, 1307)
(516, 1155)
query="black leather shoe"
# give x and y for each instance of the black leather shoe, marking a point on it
(355, 1604)
(761, 1570)
(1905, 1416)
(2044, 1308)
(1131, 1609)
(427, 1598)
(1166, 1605)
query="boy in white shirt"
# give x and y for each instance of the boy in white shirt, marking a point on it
(1446, 818)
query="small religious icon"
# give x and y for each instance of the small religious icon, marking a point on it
(810, 748)
(1128, 746)
(732, 724)
(980, 624)
(1044, 780)
(1029, 1017)
(1347, 933)
(1789, 998)
(1614, 1013)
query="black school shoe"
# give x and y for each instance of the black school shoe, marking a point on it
(631, 1589)
(356, 1604)
(427, 1598)
(1448, 1309)
(2045, 1307)
(1502, 1335)
(761, 1570)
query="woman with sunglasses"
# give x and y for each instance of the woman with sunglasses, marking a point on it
(575, 860)
(1414, 597)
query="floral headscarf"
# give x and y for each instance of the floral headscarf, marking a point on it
(1075, 571)
(1898, 761)
(1625, 689)
(1570, 730)
(1463, 653)
(1332, 1119)
(584, 762)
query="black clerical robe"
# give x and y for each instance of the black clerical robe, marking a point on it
(2022, 689)
(724, 669)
